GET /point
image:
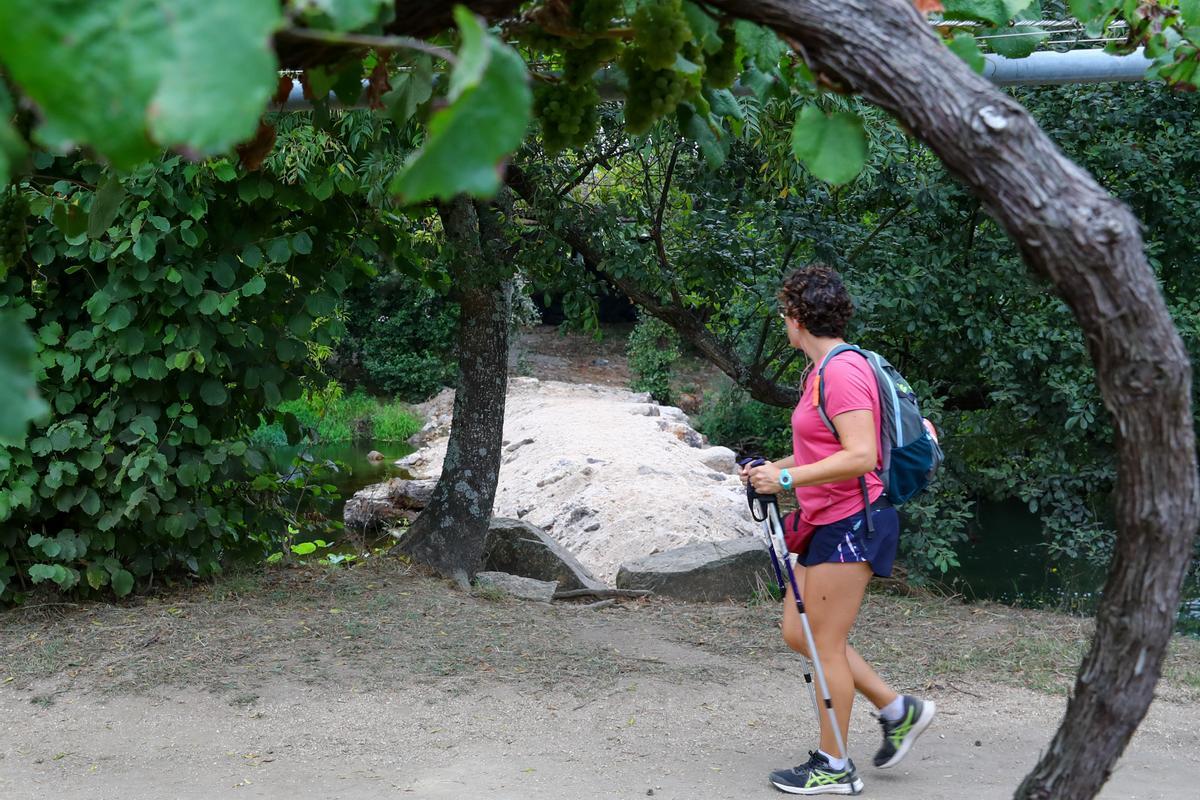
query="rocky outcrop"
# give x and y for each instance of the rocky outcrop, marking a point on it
(605, 473)
(729, 570)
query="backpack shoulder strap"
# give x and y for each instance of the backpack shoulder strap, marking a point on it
(841, 348)
(862, 482)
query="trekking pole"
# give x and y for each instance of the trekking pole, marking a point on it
(779, 581)
(773, 528)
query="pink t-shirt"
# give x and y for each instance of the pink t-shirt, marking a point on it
(849, 386)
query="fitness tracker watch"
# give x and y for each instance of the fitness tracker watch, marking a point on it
(785, 479)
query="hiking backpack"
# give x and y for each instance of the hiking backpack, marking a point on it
(911, 453)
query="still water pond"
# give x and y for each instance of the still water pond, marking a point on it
(355, 471)
(1005, 561)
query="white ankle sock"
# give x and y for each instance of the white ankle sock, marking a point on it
(835, 763)
(894, 710)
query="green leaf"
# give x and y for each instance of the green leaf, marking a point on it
(704, 27)
(224, 272)
(213, 392)
(209, 302)
(698, 129)
(254, 286)
(833, 147)
(302, 243)
(105, 205)
(18, 390)
(761, 44)
(1088, 10)
(97, 577)
(1189, 10)
(70, 218)
(119, 317)
(144, 246)
(164, 75)
(410, 90)
(1014, 43)
(996, 12)
(279, 251)
(131, 341)
(252, 256)
(122, 582)
(489, 91)
(965, 47)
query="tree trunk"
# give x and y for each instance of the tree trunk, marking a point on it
(450, 533)
(1069, 229)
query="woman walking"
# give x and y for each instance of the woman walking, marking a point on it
(835, 553)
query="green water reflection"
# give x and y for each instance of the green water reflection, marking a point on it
(1005, 561)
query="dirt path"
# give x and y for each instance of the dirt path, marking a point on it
(375, 682)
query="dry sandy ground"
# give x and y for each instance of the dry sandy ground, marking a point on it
(385, 684)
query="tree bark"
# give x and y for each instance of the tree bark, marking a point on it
(574, 232)
(450, 533)
(1071, 230)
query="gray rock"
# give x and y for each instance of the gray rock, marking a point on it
(516, 586)
(721, 459)
(383, 504)
(375, 456)
(523, 549)
(705, 571)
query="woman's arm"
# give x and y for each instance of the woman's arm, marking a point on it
(858, 456)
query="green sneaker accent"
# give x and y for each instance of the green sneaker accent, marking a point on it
(898, 737)
(817, 777)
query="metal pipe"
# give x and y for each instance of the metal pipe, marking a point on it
(1045, 68)
(1048, 68)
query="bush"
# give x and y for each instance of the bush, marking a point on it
(730, 417)
(653, 349)
(400, 339)
(162, 335)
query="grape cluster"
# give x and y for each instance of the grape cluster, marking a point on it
(652, 92)
(660, 30)
(13, 210)
(581, 59)
(568, 114)
(722, 67)
(596, 16)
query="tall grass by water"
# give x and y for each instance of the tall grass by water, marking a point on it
(337, 417)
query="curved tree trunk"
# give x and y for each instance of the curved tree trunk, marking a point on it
(450, 533)
(1070, 230)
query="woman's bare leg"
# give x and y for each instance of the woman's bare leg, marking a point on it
(866, 681)
(833, 593)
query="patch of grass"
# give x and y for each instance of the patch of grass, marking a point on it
(337, 417)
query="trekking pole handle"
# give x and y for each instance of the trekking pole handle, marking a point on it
(753, 496)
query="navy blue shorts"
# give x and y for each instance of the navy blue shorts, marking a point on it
(846, 541)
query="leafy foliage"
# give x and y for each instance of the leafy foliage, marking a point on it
(400, 338)
(157, 79)
(160, 341)
(653, 348)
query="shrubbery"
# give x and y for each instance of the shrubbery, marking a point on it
(400, 338)
(653, 349)
(171, 309)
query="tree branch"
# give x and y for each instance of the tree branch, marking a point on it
(573, 232)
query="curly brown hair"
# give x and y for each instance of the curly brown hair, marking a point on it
(815, 296)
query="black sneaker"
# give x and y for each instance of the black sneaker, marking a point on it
(898, 737)
(817, 777)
